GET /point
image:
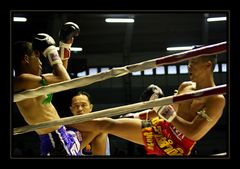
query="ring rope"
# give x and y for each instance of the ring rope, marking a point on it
(121, 71)
(221, 89)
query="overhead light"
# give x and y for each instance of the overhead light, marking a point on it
(119, 20)
(74, 49)
(180, 48)
(216, 19)
(19, 19)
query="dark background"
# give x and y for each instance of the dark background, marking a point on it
(117, 45)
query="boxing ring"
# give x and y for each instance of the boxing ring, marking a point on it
(214, 49)
(118, 72)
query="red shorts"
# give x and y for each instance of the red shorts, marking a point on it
(163, 139)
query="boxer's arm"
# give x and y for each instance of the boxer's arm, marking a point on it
(201, 124)
(26, 81)
(169, 112)
(29, 81)
(46, 45)
(180, 89)
(59, 74)
(150, 93)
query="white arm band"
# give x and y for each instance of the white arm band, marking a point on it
(52, 54)
(166, 112)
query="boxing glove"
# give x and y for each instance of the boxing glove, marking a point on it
(151, 92)
(46, 45)
(68, 31)
(66, 34)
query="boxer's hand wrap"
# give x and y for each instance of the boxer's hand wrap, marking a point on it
(65, 50)
(52, 54)
(166, 112)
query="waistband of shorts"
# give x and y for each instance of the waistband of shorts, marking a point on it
(61, 130)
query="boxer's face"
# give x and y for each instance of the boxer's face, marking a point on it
(80, 105)
(197, 68)
(33, 63)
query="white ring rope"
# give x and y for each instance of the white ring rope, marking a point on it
(121, 71)
(221, 89)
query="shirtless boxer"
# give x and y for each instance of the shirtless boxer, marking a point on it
(54, 141)
(180, 126)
